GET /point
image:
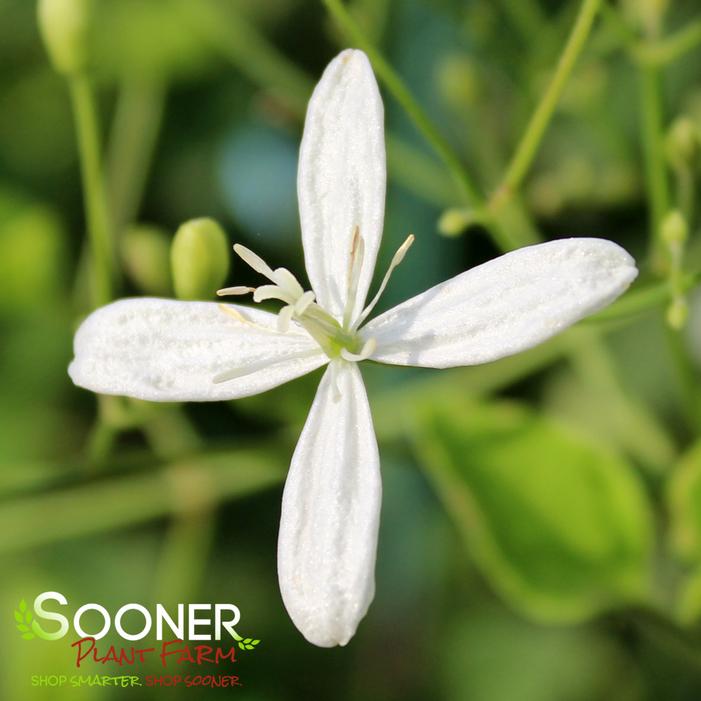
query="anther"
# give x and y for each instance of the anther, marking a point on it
(254, 261)
(285, 279)
(237, 290)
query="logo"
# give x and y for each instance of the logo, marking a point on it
(211, 626)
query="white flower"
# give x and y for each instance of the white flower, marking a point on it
(163, 350)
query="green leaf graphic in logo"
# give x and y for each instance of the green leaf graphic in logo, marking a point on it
(23, 620)
(246, 643)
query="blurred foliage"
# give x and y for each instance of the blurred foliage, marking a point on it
(558, 523)
(541, 533)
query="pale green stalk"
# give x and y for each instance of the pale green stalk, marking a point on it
(671, 48)
(103, 267)
(183, 557)
(189, 537)
(535, 130)
(652, 129)
(132, 140)
(131, 499)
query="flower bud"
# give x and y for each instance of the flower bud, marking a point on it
(646, 14)
(457, 80)
(455, 221)
(199, 259)
(33, 263)
(682, 141)
(64, 26)
(677, 313)
(675, 230)
(146, 257)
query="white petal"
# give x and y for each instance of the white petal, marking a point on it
(341, 178)
(331, 512)
(163, 350)
(504, 306)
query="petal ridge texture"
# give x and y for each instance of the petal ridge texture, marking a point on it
(331, 513)
(341, 179)
(165, 350)
(504, 306)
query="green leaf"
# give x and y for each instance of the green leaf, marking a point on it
(28, 636)
(28, 616)
(242, 646)
(558, 524)
(19, 617)
(246, 640)
(249, 647)
(22, 605)
(24, 628)
(255, 642)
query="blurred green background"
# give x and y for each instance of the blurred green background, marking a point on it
(541, 525)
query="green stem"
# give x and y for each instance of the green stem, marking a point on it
(642, 299)
(686, 379)
(401, 93)
(375, 13)
(170, 434)
(672, 47)
(133, 137)
(653, 146)
(182, 563)
(103, 267)
(100, 442)
(686, 187)
(128, 499)
(533, 135)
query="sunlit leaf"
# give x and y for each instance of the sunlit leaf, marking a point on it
(558, 524)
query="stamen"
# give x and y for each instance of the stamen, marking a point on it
(302, 304)
(366, 351)
(355, 265)
(272, 292)
(255, 261)
(235, 373)
(285, 279)
(396, 260)
(284, 317)
(336, 396)
(236, 314)
(237, 290)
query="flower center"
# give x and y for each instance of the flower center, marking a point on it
(336, 340)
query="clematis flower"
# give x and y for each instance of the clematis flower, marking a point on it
(162, 350)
